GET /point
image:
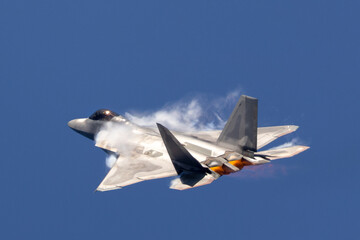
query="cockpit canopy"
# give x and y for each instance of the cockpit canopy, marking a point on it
(103, 114)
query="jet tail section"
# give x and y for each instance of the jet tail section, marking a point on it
(286, 152)
(240, 131)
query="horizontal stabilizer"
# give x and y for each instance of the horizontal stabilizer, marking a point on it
(182, 160)
(286, 152)
(266, 135)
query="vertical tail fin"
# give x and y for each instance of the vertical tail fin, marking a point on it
(191, 172)
(182, 160)
(240, 131)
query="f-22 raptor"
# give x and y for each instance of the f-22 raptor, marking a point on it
(196, 158)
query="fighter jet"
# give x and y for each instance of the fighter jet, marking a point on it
(195, 158)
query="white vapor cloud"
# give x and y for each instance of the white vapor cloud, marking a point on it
(121, 137)
(196, 114)
(178, 116)
(293, 142)
(110, 160)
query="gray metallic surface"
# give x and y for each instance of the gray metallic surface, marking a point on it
(240, 131)
(141, 153)
(183, 161)
(130, 170)
(265, 135)
(268, 134)
(191, 178)
(86, 127)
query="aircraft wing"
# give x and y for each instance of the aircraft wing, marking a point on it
(134, 169)
(140, 157)
(265, 135)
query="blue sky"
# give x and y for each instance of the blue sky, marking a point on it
(61, 60)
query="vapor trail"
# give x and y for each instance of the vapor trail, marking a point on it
(196, 114)
(293, 142)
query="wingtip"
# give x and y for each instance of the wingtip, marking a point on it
(293, 128)
(161, 128)
(102, 189)
(305, 148)
(159, 125)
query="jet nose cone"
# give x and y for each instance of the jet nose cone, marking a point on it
(84, 126)
(72, 124)
(78, 124)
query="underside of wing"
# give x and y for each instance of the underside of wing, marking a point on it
(134, 169)
(140, 157)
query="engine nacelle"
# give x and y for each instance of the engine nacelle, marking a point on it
(227, 163)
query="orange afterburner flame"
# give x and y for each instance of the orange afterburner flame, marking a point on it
(223, 170)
